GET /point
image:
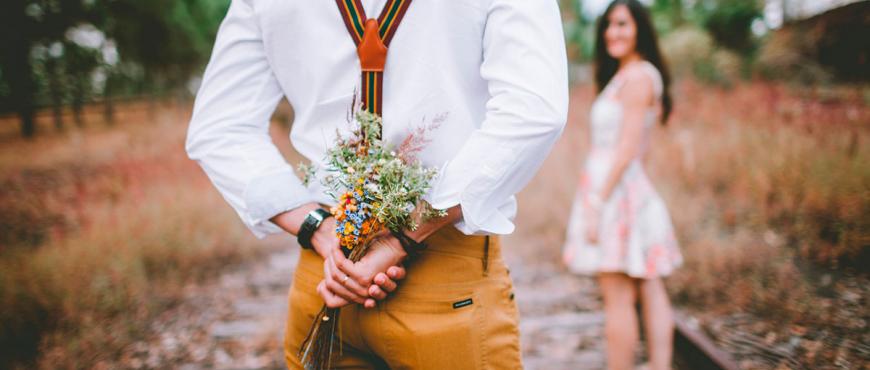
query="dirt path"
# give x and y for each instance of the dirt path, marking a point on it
(237, 322)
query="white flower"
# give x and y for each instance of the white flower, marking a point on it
(86, 36)
(110, 55)
(55, 50)
(350, 169)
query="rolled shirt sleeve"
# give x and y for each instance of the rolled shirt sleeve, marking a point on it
(229, 130)
(525, 66)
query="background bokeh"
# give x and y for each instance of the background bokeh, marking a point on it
(105, 225)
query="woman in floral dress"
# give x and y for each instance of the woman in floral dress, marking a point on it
(620, 229)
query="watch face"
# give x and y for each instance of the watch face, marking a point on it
(316, 215)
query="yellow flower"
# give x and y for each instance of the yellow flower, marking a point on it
(348, 228)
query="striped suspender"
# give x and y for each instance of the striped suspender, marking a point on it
(372, 37)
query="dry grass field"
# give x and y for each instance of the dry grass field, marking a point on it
(769, 190)
(104, 227)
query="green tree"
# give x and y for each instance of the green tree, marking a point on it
(170, 39)
(730, 21)
(160, 44)
(23, 25)
(16, 34)
(668, 14)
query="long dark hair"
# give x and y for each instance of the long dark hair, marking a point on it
(647, 46)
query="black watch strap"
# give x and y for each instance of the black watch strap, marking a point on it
(411, 246)
(310, 225)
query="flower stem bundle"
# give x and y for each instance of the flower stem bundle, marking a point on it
(376, 188)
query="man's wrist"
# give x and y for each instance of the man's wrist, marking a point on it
(396, 246)
(292, 220)
(422, 232)
(312, 223)
(324, 240)
(411, 247)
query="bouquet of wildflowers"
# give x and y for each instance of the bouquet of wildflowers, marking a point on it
(377, 188)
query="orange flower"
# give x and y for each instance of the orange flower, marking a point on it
(348, 241)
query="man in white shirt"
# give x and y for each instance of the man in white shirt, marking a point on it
(496, 67)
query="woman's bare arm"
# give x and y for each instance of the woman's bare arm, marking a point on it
(636, 97)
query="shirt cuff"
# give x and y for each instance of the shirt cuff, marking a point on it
(478, 217)
(272, 194)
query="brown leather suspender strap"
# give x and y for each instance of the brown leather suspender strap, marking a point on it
(372, 37)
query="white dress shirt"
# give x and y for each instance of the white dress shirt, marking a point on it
(497, 68)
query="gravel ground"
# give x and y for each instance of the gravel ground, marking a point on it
(237, 321)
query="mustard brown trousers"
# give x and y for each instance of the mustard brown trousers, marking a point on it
(454, 310)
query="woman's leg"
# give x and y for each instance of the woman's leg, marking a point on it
(620, 323)
(658, 321)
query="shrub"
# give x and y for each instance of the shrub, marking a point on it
(782, 57)
(691, 51)
(729, 23)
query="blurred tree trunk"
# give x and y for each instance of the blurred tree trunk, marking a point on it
(78, 100)
(15, 56)
(24, 87)
(108, 104)
(151, 91)
(55, 91)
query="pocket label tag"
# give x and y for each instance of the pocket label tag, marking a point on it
(460, 304)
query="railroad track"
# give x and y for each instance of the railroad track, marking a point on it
(695, 351)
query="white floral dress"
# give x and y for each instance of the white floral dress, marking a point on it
(636, 236)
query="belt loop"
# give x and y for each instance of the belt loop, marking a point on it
(486, 256)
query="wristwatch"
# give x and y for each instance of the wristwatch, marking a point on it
(310, 225)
